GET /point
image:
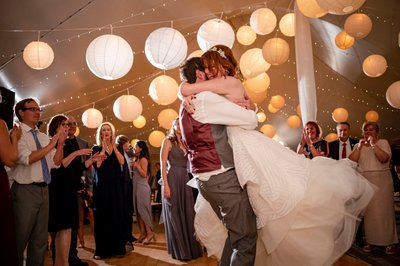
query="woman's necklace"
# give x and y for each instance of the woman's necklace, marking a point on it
(109, 148)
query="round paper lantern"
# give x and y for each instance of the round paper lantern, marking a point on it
(261, 117)
(287, 24)
(38, 55)
(252, 63)
(197, 53)
(272, 109)
(371, 116)
(294, 121)
(393, 95)
(259, 83)
(358, 25)
(139, 122)
(268, 130)
(277, 101)
(276, 51)
(245, 35)
(109, 57)
(156, 138)
(77, 131)
(215, 31)
(127, 108)
(256, 97)
(331, 137)
(340, 7)
(92, 118)
(298, 110)
(163, 90)
(310, 8)
(166, 116)
(343, 40)
(133, 142)
(340, 115)
(165, 48)
(374, 65)
(263, 21)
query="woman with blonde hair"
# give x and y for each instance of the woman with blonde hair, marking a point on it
(177, 198)
(373, 157)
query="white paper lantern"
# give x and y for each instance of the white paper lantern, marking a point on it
(331, 137)
(163, 90)
(139, 122)
(393, 95)
(343, 40)
(156, 138)
(256, 97)
(245, 35)
(92, 118)
(340, 7)
(294, 121)
(287, 24)
(197, 53)
(127, 108)
(166, 116)
(215, 31)
(371, 116)
(340, 115)
(38, 55)
(310, 8)
(263, 21)
(166, 48)
(252, 63)
(268, 130)
(358, 25)
(277, 101)
(133, 142)
(276, 51)
(77, 131)
(259, 83)
(261, 117)
(272, 109)
(374, 65)
(109, 57)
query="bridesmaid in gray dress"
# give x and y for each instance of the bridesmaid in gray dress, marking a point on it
(142, 192)
(177, 201)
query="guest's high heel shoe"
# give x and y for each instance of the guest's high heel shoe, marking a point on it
(140, 239)
(150, 238)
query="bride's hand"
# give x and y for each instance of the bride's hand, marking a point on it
(188, 104)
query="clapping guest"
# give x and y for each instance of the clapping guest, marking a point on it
(311, 144)
(109, 232)
(373, 157)
(8, 157)
(177, 198)
(142, 191)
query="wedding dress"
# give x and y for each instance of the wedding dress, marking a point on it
(307, 210)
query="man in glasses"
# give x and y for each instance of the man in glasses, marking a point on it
(30, 176)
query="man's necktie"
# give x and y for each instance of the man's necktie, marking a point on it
(45, 168)
(344, 153)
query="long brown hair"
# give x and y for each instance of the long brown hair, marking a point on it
(220, 56)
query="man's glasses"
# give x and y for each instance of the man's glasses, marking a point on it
(65, 124)
(32, 109)
(72, 123)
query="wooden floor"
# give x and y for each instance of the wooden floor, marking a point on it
(155, 254)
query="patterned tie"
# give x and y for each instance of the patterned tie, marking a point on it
(45, 168)
(344, 153)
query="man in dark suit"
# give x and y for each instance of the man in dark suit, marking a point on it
(342, 147)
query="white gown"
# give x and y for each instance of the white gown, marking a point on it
(306, 210)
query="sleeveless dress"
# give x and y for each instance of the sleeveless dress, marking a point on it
(178, 211)
(8, 244)
(306, 209)
(142, 198)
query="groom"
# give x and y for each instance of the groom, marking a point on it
(211, 161)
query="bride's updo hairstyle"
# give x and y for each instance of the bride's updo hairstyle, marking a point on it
(220, 56)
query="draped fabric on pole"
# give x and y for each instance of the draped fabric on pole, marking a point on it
(305, 68)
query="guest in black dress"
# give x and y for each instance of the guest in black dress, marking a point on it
(8, 156)
(109, 232)
(63, 204)
(311, 144)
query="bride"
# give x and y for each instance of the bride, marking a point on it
(307, 210)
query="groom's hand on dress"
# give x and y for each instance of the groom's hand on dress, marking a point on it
(188, 104)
